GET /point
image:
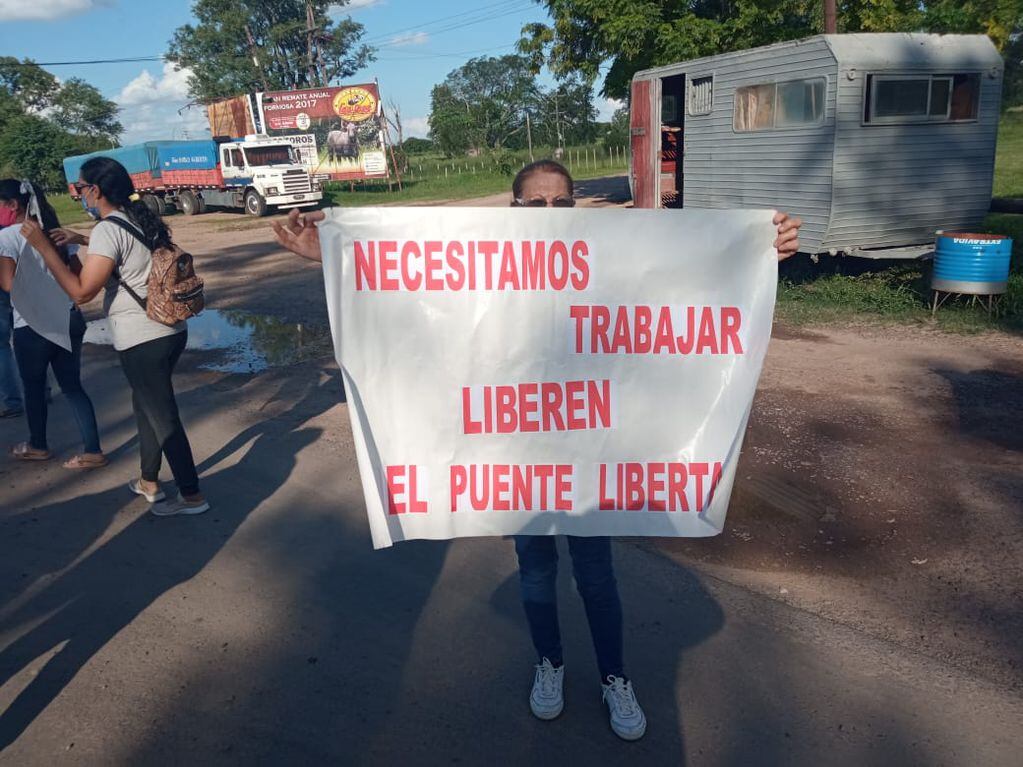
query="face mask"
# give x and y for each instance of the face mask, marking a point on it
(8, 216)
(94, 212)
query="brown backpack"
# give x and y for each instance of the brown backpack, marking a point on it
(173, 292)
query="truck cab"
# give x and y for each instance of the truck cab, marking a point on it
(270, 172)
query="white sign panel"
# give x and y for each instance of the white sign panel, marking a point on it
(305, 147)
(521, 371)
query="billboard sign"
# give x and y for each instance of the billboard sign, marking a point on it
(338, 131)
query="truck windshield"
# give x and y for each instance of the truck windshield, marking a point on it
(275, 154)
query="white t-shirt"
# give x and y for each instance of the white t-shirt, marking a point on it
(129, 325)
(12, 246)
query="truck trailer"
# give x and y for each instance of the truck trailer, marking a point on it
(253, 173)
(876, 140)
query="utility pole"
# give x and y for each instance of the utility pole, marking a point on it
(529, 138)
(310, 36)
(830, 18)
(255, 57)
(557, 122)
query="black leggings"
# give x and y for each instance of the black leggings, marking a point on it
(148, 368)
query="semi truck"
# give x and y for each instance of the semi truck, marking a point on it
(254, 173)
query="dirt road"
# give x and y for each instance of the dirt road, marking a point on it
(862, 607)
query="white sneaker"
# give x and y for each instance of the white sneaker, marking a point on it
(136, 487)
(546, 700)
(627, 718)
(179, 506)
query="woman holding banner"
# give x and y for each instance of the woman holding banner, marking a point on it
(539, 185)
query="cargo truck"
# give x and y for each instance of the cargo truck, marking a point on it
(254, 173)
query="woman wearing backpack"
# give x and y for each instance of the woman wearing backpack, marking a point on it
(119, 259)
(48, 329)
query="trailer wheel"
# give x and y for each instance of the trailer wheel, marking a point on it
(155, 203)
(255, 204)
(188, 203)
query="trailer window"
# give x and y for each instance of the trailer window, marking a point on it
(754, 107)
(669, 109)
(277, 154)
(792, 104)
(701, 95)
(921, 98)
(800, 103)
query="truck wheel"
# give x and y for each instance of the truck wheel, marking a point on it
(255, 204)
(155, 204)
(202, 204)
(188, 203)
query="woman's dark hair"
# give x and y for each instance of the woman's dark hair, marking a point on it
(116, 186)
(10, 189)
(540, 166)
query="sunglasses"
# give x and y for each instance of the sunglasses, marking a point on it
(79, 186)
(540, 202)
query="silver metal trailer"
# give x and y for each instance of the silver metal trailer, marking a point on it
(876, 140)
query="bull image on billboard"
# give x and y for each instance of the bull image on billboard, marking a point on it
(338, 131)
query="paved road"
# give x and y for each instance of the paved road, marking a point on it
(269, 632)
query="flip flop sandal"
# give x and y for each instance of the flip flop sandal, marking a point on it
(86, 462)
(25, 452)
(156, 497)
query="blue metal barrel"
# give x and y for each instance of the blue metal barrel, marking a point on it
(977, 264)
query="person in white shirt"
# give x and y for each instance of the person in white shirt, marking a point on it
(48, 330)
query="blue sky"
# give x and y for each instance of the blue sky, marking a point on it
(418, 42)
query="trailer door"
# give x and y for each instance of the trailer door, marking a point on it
(644, 179)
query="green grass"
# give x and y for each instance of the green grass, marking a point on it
(433, 178)
(1009, 157)
(860, 291)
(856, 290)
(69, 210)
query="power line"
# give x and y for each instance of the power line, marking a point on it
(477, 16)
(454, 54)
(131, 60)
(460, 25)
(474, 11)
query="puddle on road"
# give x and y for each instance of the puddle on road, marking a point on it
(241, 342)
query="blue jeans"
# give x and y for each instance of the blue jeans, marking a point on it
(10, 392)
(594, 579)
(35, 355)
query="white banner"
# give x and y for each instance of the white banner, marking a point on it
(587, 372)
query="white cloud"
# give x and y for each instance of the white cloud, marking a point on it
(146, 89)
(354, 5)
(418, 127)
(409, 38)
(606, 109)
(46, 10)
(150, 108)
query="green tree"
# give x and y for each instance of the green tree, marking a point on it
(43, 121)
(637, 34)
(33, 147)
(220, 57)
(9, 106)
(481, 104)
(416, 145)
(451, 127)
(617, 131)
(31, 85)
(80, 108)
(565, 115)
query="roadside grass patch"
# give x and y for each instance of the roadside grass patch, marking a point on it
(860, 291)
